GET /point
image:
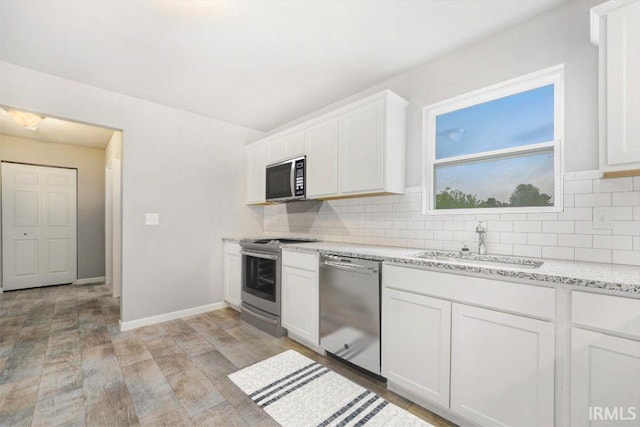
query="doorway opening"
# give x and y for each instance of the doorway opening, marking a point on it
(61, 202)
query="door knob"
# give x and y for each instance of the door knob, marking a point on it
(24, 234)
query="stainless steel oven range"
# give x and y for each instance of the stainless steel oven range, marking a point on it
(261, 282)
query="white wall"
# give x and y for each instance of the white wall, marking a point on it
(184, 166)
(90, 165)
(558, 36)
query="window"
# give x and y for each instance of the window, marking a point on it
(497, 149)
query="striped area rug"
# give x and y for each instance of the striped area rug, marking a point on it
(296, 391)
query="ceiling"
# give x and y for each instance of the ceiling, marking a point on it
(60, 131)
(258, 64)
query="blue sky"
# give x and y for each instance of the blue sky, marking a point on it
(513, 121)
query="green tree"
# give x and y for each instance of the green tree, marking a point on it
(529, 195)
(456, 199)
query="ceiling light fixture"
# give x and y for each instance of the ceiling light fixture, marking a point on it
(28, 120)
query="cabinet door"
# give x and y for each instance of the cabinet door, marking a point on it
(502, 368)
(294, 144)
(605, 380)
(232, 274)
(416, 344)
(275, 151)
(254, 164)
(623, 85)
(300, 303)
(322, 159)
(362, 149)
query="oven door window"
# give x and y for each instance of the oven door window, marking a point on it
(260, 277)
(279, 181)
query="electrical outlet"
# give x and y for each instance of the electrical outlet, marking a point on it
(603, 218)
(151, 219)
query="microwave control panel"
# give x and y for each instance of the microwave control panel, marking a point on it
(299, 178)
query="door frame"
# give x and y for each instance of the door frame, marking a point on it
(2, 219)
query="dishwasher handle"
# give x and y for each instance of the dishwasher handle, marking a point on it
(350, 267)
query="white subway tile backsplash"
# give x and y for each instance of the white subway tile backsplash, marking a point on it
(613, 242)
(590, 174)
(593, 199)
(542, 216)
(593, 255)
(575, 240)
(629, 198)
(454, 225)
(578, 187)
(576, 214)
(397, 220)
(558, 227)
(546, 239)
(612, 185)
(500, 225)
(586, 227)
(627, 228)
(569, 201)
(527, 251)
(527, 226)
(558, 252)
(443, 235)
(513, 238)
(499, 248)
(626, 257)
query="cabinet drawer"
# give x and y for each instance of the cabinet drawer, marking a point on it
(305, 261)
(606, 312)
(536, 301)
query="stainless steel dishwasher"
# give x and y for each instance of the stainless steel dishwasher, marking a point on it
(350, 310)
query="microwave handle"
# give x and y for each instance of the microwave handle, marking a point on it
(292, 178)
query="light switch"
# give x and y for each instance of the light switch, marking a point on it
(151, 219)
(603, 218)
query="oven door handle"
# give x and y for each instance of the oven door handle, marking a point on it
(258, 255)
(349, 267)
(259, 316)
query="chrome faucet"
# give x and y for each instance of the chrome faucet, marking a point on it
(481, 229)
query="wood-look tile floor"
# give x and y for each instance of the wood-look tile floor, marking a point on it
(64, 361)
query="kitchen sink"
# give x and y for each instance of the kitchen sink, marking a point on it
(475, 259)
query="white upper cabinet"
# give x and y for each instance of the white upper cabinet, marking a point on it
(254, 168)
(362, 149)
(322, 159)
(614, 27)
(286, 147)
(354, 150)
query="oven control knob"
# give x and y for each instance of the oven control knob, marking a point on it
(346, 346)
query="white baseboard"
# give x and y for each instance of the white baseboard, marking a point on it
(145, 321)
(89, 280)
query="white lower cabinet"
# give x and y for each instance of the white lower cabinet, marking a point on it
(605, 380)
(232, 274)
(300, 296)
(473, 364)
(502, 368)
(416, 351)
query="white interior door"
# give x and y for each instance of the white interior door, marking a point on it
(39, 240)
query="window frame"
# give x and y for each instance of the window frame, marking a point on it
(553, 75)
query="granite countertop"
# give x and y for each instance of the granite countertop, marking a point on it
(611, 277)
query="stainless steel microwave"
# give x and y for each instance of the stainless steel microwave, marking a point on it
(286, 180)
